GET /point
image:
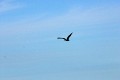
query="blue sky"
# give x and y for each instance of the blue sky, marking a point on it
(29, 49)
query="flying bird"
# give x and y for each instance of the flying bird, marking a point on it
(65, 39)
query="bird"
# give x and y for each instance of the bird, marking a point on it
(66, 39)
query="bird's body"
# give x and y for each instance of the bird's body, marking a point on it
(65, 39)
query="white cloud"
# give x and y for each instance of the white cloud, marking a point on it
(86, 17)
(72, 18)
(80, 17)
(7, 5)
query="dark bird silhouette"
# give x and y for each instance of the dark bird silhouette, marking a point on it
(65, 39)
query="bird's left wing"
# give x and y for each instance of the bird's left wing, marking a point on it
(69, 35)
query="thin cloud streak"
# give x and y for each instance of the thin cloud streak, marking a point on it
(72, 18)
(8, 5)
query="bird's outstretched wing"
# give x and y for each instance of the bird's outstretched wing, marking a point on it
(69, 36)
(60, 38)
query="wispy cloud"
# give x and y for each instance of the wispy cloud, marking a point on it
(74, 17)
(7, 5)
(78, 16)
